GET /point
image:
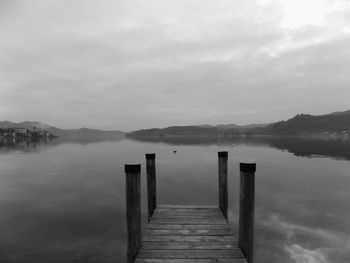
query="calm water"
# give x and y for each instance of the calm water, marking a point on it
(65, 201)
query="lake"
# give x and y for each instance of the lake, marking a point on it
(65, 201)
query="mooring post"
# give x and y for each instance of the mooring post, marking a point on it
(223, 196)
(246, 210)
(133, 210)
(151, 183)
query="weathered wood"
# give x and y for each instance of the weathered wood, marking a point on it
(246, 210)
(198, 215)
(190, 222)
(189, 212)
(189, 238)
(133, 210)
(188, 232)
(187, 207)
(185, 226)
(223, 191)
(215, 210)
(151, 183)
(194, 235)
(190, 215)
(180, 214)
(191, 253)
(190, 245)
(187, 216)
(193, 260)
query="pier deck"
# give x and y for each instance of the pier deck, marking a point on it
(189, 234)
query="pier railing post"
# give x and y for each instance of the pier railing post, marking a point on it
(223, 192)
(133, 210)
(246, 210)
(151, 183)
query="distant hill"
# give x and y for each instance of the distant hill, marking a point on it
(234, 126)
(337, 123)
(175, 131)
(241, 127)
(341, 113)
(333, 123)
(64, 133)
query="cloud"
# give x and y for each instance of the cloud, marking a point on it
(141, 64)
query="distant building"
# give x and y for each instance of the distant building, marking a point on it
(21, 130)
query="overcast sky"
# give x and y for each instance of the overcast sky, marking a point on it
(139, 64)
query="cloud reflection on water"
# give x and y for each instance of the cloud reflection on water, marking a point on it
(308, 244)
(302, 255)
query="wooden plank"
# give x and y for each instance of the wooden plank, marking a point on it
(189, 212)
(190, 222)
(196, 260)
(191, 253)
(189, 238)
(192, 215)
(187, 217)
(188, 206)
(215, 214)
(189, 232)
(190, 245)
(186, 226)
(193, 209)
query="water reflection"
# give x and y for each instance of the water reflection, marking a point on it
(38, 144)
(24, 144)
(299, 146)
(65, 202)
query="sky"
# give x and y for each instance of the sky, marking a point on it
(141, 63)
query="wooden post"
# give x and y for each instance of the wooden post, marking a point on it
(246, 210)
(133, 209)
(223, 196)
(151, 183)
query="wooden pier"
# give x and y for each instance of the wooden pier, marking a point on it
(189, 234)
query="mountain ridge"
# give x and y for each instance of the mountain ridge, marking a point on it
(336, 123)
